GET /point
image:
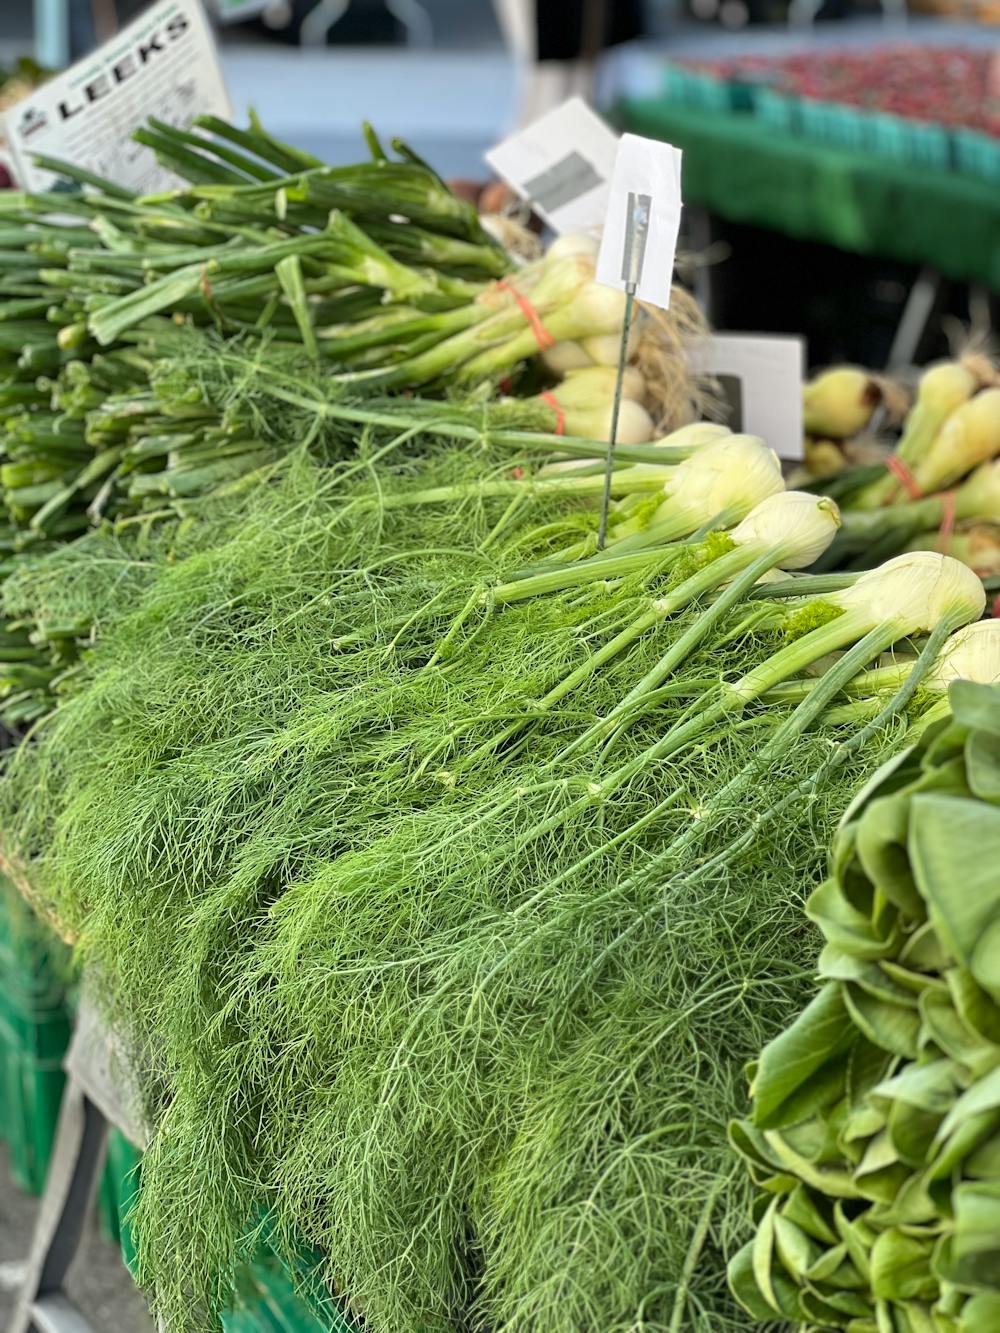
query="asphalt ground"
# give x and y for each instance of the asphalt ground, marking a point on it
(98, 1283)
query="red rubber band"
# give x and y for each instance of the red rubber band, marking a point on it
(905, 477)
(553, 402)
(995, 613)
(506, 384)
(544, 339)
(947, 521)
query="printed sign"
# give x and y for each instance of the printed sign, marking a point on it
(163, 64)
(760, 377)
(643, 219)
(561, 164)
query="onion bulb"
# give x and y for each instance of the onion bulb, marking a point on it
(839, 403)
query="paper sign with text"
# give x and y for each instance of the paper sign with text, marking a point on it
(643, 219)
(561, 164)
(163, 64)
(760, 377)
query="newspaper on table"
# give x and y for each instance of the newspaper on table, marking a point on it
(163, 64)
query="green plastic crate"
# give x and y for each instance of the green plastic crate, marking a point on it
(34, 1034)
(30, 1093)
(269, 1300)
(267, 1297)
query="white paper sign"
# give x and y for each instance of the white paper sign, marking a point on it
(760, 376)
(163, 64)
(561, 164)
(644, 210)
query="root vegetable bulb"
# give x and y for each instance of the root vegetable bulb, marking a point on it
(970, 436)
(977, 546)
(566, 356)
(839, 403)
(635, 425)
(595, 385)
(824, 458)
(943, 388)
(575, 243)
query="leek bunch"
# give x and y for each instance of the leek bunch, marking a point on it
(925, 496)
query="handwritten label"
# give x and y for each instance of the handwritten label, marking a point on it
(163, 64)
(561, 164)
(651, 171)
(760, 376)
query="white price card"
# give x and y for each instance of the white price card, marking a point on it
(760, 377)
(162, 64)
(561, 164)
(643, 219)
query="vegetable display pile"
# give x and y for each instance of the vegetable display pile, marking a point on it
(875, 1132)
(447, 863)
(449, 872)
(937, 487)
(375, 268)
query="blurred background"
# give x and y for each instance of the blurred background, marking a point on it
(842, 158)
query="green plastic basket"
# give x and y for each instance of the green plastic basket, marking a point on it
(34, 1034)
(977, 154)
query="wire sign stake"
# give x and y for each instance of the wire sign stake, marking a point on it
(637, 252)
(636, 231)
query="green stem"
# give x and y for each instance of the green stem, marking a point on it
(610, 567)
(794, 657)
(748, 559)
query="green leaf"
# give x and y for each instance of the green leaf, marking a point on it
(743, 1284)
(882, 850)
(984, 1163)
(982, 765)
(962, 1141)
(821, 1034)
(984, 1095)
(923, 951)
(802, 1209)
(944, 1027)
(794, 1248)
(880, 1173)
(916, 1100)
(901, 1267)
(833, 1182)
(955, 849)
(860, 930)
(980, 1313)
(977, 1223)
(762, 1256)
(893, 1027)
(893, 774)
(837, 965)
(975, 706)
(975, 1007)
(858, 1237)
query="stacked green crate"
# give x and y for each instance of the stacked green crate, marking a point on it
(267, 1298)
(34, 1034)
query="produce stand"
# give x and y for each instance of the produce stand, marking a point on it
(433, 794)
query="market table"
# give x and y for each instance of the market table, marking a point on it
(739, 169)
